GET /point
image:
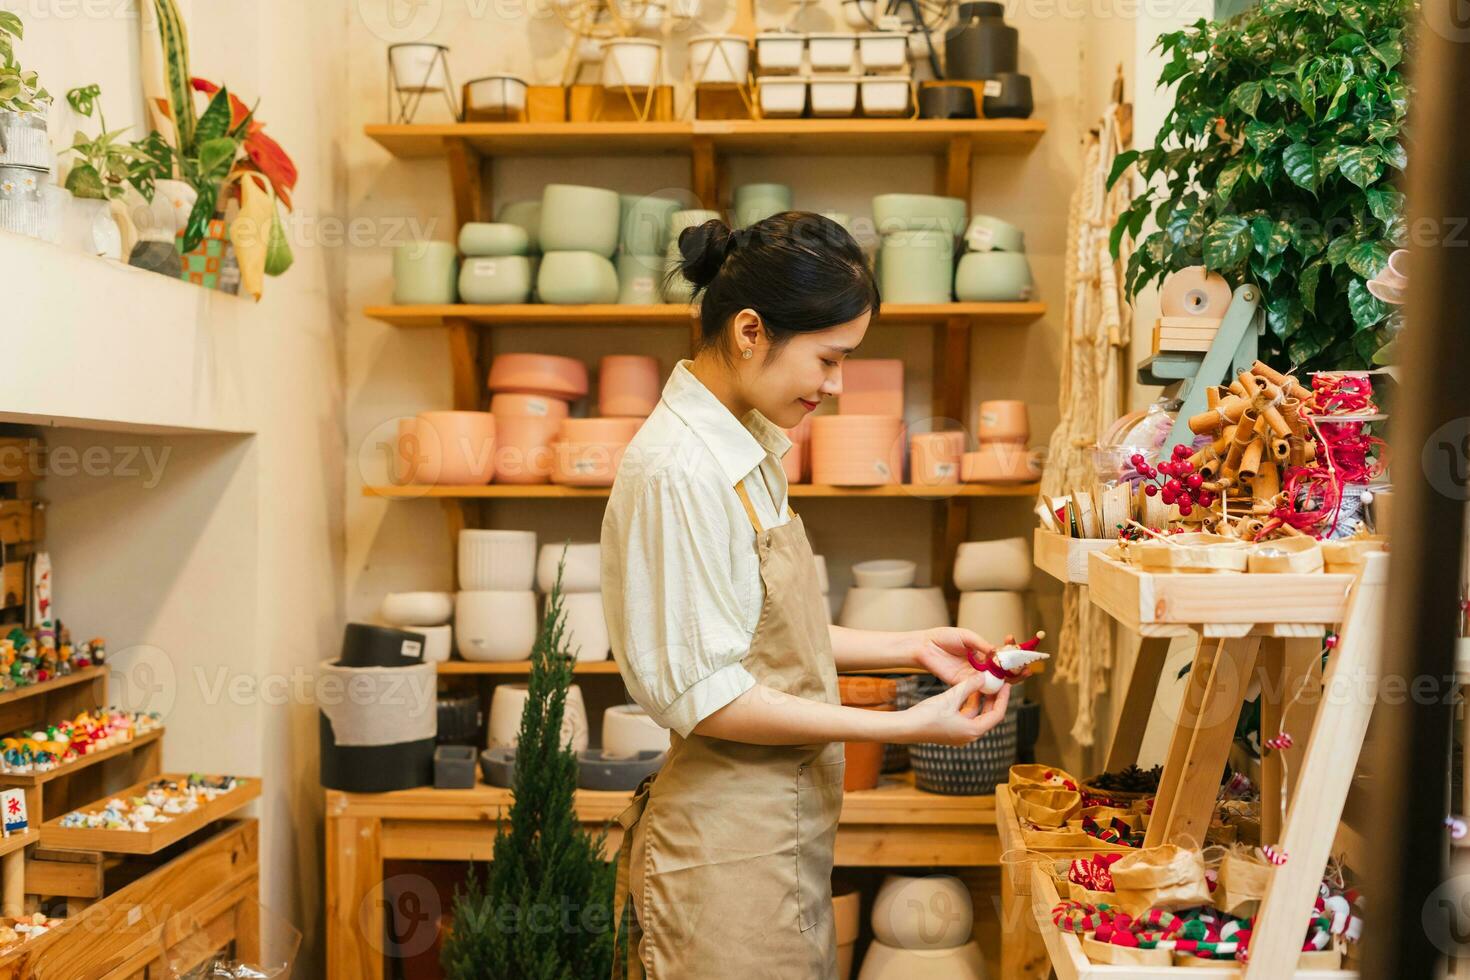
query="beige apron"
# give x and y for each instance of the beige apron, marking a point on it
(727, 850)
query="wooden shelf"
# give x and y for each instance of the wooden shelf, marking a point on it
(82, 676)
(521, 667)
(877, 137)
(550, 491)
(149, 841)
(676, 314)
(17, 841)
(91, 759)
(1064, 558)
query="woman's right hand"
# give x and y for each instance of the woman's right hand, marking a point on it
(947, 718)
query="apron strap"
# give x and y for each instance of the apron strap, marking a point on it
(755, 521)
(626, 931)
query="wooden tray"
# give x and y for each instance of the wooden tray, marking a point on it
(1171, 604)
(8, 779)
(150, 841)
(1064, 558)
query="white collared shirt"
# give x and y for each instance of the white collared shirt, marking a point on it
(681, 585)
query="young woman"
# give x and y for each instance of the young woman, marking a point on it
(719, 629)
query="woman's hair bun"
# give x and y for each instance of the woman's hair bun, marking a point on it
(702, 249)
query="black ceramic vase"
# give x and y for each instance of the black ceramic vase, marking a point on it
(981, 44)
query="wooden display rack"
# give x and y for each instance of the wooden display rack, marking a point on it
(53, 834)
(1249, 626)
(1065, 558)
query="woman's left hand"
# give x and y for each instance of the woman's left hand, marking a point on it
(945, 651)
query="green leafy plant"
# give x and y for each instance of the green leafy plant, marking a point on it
(106, 165)
(1276, 166)
(546, 869)
(20, 90)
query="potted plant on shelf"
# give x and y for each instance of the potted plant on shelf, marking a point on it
(25, 152)
(98, 179)
(222, 156)
(1277, 163)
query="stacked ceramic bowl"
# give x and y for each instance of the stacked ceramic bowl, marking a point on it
(424, 613)
(580, 567)
(884, 597)
(495, 611)
(496, 267)
(922, 928)
(643, 240)
(916, 257)
(862, 445)
(991, 577)
(994, 267)
(675, 288)
(531, 398)
(526, 214)
(578, 236)
(1002, 456)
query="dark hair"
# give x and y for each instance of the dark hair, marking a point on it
(800, 271)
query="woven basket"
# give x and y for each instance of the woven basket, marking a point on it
(973, 769)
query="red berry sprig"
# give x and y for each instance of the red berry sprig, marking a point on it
(1174, 481)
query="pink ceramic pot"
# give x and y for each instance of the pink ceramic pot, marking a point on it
(586, 464)
(857, 450)
(599, 430)
(794, 462)
(1001, 463)
(540, 406)
(628, 385)
(409, 458)
(523, 448)
(1004, 420)
(934, 458)
(872, 386)
(459, 445)
(539, 374)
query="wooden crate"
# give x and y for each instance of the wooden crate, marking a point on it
(726, 102)
(594, 103)
(546, 103)
(150, 841)
(1065, 558)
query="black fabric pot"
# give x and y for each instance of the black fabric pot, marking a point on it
(1012, 98)
(459, 719)
(374, 768)
(947, 102)
(981, 44)
(365, 645)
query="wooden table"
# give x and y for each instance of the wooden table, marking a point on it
(895, 825)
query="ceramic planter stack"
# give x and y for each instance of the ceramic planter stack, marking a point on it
(578, 236)
(884, 597)
(922, 928)
(863, 444)
(885, 88)
(994, 267)
(915, 261)
(991, 577)
(1003, 456)
(496, 267)
(756, 202)
(25, 173)
(674, 287)
(581, 587)
(424, 613)
(495, 616)
(531, 396)
(982, 47)
(643, 240)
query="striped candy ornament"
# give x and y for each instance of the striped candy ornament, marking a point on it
(1279, 741)
(1274, 855)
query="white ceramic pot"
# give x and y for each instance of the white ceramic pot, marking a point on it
(834, 96)
(883, 51)
(495, 95)
(882, 96)
(932, 912)
(438, 642)
(509, 703)
(630, 61)
(993, 615)
(417, 608)
(583, 572)
(778, 52)
(1004, 563)
(832, 52)
(884, 573)
(495, 626)
(89, 228)
(893, 609)
(782, 96)
(586, 628)
(496, 561)
(719, 59)
(419, 67)
(885, 962)
(627, 730)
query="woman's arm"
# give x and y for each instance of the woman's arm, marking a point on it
(766, 716)
(942, 651)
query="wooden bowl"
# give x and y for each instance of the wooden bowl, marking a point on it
(1286, 555)
(1194, 552)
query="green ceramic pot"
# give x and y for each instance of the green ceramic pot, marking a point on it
(493, 238)
(576, 278)
(424, 272)
(497, 279)
(754, 202)
(676, 289)
(527, 214)
(638, 279)
(917, 267)
(993, 277)
(919, 212)
(644, 226)
(579, 219)
(990, 234)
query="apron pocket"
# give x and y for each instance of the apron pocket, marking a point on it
(818, 804)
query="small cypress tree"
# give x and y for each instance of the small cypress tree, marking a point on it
(544, 911)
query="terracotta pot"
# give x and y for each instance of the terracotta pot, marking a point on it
(509, 404)
(872, 386)
(458, 446)
(586, 464)
(539, 374)
(1004, 421)
(934, 458)
(864, 761)
(857, 450)
(867, 690)
(1000, 463)
(628, 385)
(523, 448)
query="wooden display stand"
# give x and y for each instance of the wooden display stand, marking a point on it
(596, 103)
(1249, 626)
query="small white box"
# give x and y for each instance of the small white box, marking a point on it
(834, 95)
(884, 51)
(778, 52)
(885, 96)
(832, 52)
(782, 95)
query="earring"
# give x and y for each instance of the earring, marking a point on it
(748, 353)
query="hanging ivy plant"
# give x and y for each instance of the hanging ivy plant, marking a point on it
(1277, 165)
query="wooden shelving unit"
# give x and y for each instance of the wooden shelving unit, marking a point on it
(519, 667)
(674, 315)
(550, 491)
(53, 834)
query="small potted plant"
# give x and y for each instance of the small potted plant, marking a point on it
(98, 178)
(25, 152)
